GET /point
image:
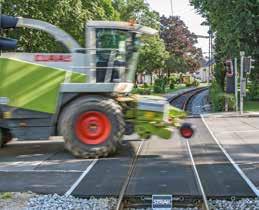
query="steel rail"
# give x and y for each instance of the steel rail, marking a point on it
(197, 177)
(187, 101)
(134, 160)
(127, 180)
(173, 98)
(189, 95)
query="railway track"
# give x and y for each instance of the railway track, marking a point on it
(128, 178)
(191, 171)
(180, 101)
(145, 201)
(207, 163)
(183, 100)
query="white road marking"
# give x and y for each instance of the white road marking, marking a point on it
(239, 170)
(247, 131)
(73, 187)
(197, 177)
(41, 171)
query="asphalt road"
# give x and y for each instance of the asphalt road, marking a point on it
(240, 138)
(164, 166)
(41, 167)
(108, 175)
(218, 176)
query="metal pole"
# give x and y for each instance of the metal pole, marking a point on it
(242, 54)
(209, 61)
(211, 53)
(171, 3)
(236, 81)
(210, 49)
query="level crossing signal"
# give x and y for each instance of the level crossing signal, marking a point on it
(230, 80)
(248, 64)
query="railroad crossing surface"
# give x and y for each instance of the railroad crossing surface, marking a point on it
(225, 151)
(239, 136)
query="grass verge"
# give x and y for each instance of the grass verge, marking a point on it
(252, 106)
(5, 195)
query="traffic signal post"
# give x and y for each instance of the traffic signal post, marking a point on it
(246, 66)
(236, 83)
(242, 82)
(231, 80)
(231, 68)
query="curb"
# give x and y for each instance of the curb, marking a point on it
(231, 114)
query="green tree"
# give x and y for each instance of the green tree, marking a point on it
(236, 27)
(137, 10)
(180, 42)
(70, 15)
(100, 9)
(153, 56)
(153, 53)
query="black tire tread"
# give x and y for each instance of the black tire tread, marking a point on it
(5, 137)
(92, 152)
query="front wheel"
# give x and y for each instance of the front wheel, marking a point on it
(92, 126)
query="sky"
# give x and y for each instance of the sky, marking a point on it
(188, 14)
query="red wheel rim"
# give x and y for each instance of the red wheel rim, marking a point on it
(93, 127)
(186, 132)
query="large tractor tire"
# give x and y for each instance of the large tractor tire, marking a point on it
(92, 126)
(5, 137)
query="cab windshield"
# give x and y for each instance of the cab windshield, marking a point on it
(115, 53)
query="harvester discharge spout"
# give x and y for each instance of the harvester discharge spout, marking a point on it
(67, 40)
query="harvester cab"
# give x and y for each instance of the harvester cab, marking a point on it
(112, 49)
(83, 95)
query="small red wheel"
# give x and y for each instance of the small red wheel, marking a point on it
(93, 127)
(186, 130)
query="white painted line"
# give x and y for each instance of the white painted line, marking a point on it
(41, 171)
(197, 177)
(73, 187)
(239, 170)
(246, 131)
